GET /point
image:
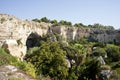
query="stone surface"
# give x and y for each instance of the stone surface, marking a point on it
(15, 28)
(9, 71)
(12, 47)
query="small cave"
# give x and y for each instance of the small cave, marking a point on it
(33, 40)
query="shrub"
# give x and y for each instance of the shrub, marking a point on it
(99, 52)
(15, 79)
(116, 75)
(49, 60)
(27, 67)
(42, 77)
(6, 58)
(63, 22)
(44, 19)
(2, 51)
(99, 44)
(89, 69)
(113, 53)
(2, 20)
(54, 22)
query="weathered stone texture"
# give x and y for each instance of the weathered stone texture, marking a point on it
(18, 29)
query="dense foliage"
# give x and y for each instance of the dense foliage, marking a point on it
(51, 56)
(68, 23)
(49, 59)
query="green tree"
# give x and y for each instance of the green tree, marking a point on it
(113, 53)
(79, 25)
(49, 59)
(110, 27)
(44, 19)
(53, 21)
(3, 20)
(89, 69)
(63, 22)
(99, 44)
(99, 52)
(36, 20)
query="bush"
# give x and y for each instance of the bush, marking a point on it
(80, 41)
(99, 44)
(6, 58)
(54, 22)
(44, 19)
(72, 74)
(27, 67)
(2, 20)
(2, 51)
(49, 59)
(89, 69)
(42, 77)
(63, 22)
(116, 65)
(99, 52)
(116, 75)
(113, 53)
(15, 79)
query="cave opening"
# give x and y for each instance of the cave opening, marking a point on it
(33, 40)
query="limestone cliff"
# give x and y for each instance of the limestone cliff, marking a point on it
(12, 28)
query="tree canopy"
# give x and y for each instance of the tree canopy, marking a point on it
(49, 59)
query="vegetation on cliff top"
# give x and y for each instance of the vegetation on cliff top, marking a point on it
(68, 23)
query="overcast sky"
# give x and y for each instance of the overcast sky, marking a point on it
(106, 12)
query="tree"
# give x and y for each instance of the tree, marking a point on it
(113, 53)
(49, 59)
(99, 52)
(53, 21)
(110, 27)
(44, 19)
(3, 20)
(79, 25)
(63, 22)
(36, 20)
(99, 44)
(89, 69)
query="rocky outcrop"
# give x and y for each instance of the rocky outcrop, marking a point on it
(15, 49)
(14, 28)
(14, 33)
(11, 72)
(105, 35)
(21, 30)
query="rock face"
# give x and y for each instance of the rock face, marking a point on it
(14, 33)
(15, 49)
(11, 72)
(105, 35)
(23, 31)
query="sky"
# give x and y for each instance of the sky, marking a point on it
(106, 12)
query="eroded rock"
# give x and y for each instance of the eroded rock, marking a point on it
(12, 47)
(9, 71)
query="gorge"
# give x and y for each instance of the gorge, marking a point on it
(19, 34)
